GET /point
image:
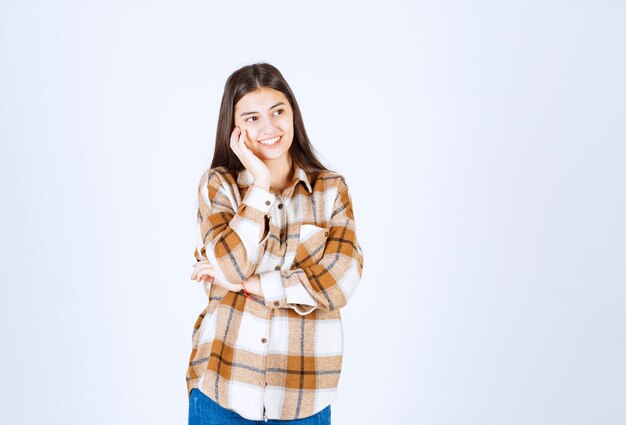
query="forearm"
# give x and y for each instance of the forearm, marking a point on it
(253, 285)
(232, 236)
(328, 264)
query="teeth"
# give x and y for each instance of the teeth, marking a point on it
(269, 141)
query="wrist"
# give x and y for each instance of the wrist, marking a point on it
(245, 289)
(253, 285)
(263, 185)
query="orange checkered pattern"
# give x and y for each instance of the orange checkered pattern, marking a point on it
(276, 356)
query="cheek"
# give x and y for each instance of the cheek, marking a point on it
(252, 133)
(286, 124)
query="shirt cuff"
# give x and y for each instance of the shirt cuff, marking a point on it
(277, 296)
(259, 198)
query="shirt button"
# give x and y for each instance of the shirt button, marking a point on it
(280, 205)
(325, 233)
(263, 340)
(276, 303)
(267, 202)
(277, 268)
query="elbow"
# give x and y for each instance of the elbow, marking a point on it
(229, 267)
(340, 297)
(331, 290)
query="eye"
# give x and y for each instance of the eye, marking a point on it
(278, 110)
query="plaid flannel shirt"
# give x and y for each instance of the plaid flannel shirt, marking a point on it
(276, 356)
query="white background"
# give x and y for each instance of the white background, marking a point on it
(484, 147)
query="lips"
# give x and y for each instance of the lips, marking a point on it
(276, 140)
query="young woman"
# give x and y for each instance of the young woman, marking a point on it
(278, 258)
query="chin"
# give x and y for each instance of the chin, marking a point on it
(275, 155)
(272, 154)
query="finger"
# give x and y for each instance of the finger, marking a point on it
(205, 266)
(237, 134)
(202, 273)
(206, 272)
(197, 263)
(240, 139)
(194, 271)
(247, 140)
(243, 140)
(202, 269)
(234, 137)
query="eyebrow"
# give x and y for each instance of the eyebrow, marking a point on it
(271, 107)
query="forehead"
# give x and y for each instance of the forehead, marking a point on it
(260, 99)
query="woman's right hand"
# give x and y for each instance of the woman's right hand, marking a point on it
(257, 168)
(204, 272)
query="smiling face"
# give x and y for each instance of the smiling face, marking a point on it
(268, 117)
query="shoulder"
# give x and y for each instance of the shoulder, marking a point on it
(218, 177)
(328, 179)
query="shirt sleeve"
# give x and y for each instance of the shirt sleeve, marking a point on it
(329, 283)
(231, 238)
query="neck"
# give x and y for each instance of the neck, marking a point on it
(281, 170)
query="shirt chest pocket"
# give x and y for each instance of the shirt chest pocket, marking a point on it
(311, 245)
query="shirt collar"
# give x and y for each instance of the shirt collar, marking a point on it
(244, 178)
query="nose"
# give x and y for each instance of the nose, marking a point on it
(268, 127)
(268, 131)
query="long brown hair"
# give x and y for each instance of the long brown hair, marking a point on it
(242, 82)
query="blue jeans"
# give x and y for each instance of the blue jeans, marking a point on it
(204, 411)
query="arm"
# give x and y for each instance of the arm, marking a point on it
(329, 283)
(231, 240)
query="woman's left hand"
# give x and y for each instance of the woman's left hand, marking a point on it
(204, 271)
